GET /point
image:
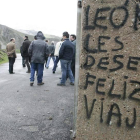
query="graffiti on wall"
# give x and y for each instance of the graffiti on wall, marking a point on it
(132, 62)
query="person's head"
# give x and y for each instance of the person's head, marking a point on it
(72, 37)
(65, 35)
(40, 35)
(47, 41)
(62, 39)
(26, 37)
(12, 40)
(35, 38)
(52, 43)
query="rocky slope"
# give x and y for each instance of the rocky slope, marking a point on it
(7, 33)
(49, 37)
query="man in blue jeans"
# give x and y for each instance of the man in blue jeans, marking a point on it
(65, 55)
(37, 51)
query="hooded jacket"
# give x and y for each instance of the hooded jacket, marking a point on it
(38, 49)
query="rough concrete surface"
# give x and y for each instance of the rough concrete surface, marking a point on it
(34, 113)
(109, 82)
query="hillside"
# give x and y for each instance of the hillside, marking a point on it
(7, 33)
(49, 37)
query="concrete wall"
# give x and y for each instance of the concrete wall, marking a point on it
(109, 83)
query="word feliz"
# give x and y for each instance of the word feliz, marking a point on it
(100, 11)
(111, 113)
(101, 84)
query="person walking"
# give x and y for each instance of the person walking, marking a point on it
(23, 61)
(56, 54)
(51, 49)
(37, 51)
(25, 54)
(11, 53)
(47, 41)
(65, 55)
(73, 40)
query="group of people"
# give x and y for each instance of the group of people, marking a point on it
(37, 53)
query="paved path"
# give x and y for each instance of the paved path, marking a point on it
(34, 113)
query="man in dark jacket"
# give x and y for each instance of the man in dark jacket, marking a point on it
(47, 41)
(73, 40)
(51, 54)
(65, 55)
(23, 60)
(37, 51)
(25, 54)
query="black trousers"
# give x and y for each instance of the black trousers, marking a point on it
(27, 62)
(46, 59)
(23, 61)
(11, 64)
(73, 67)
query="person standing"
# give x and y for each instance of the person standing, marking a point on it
(37, 51)
(51, 49)
(11, 53)
(25, 54)
(73, 40)
(65, 55)
(23, 61)
(47, 41)
(56, 54)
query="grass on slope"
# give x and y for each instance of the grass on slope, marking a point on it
(3, 57)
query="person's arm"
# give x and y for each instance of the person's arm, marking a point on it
(13, 51)
(30, 49)
(46, 50)
(51, 50)
(61, 51)
(7, 50)
(74, 51)
(24, 47)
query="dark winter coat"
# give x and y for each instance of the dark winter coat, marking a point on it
(21, 51)
(74, 43)
(51, 49)
(25, 47)
(38, 49)
(67, 50)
